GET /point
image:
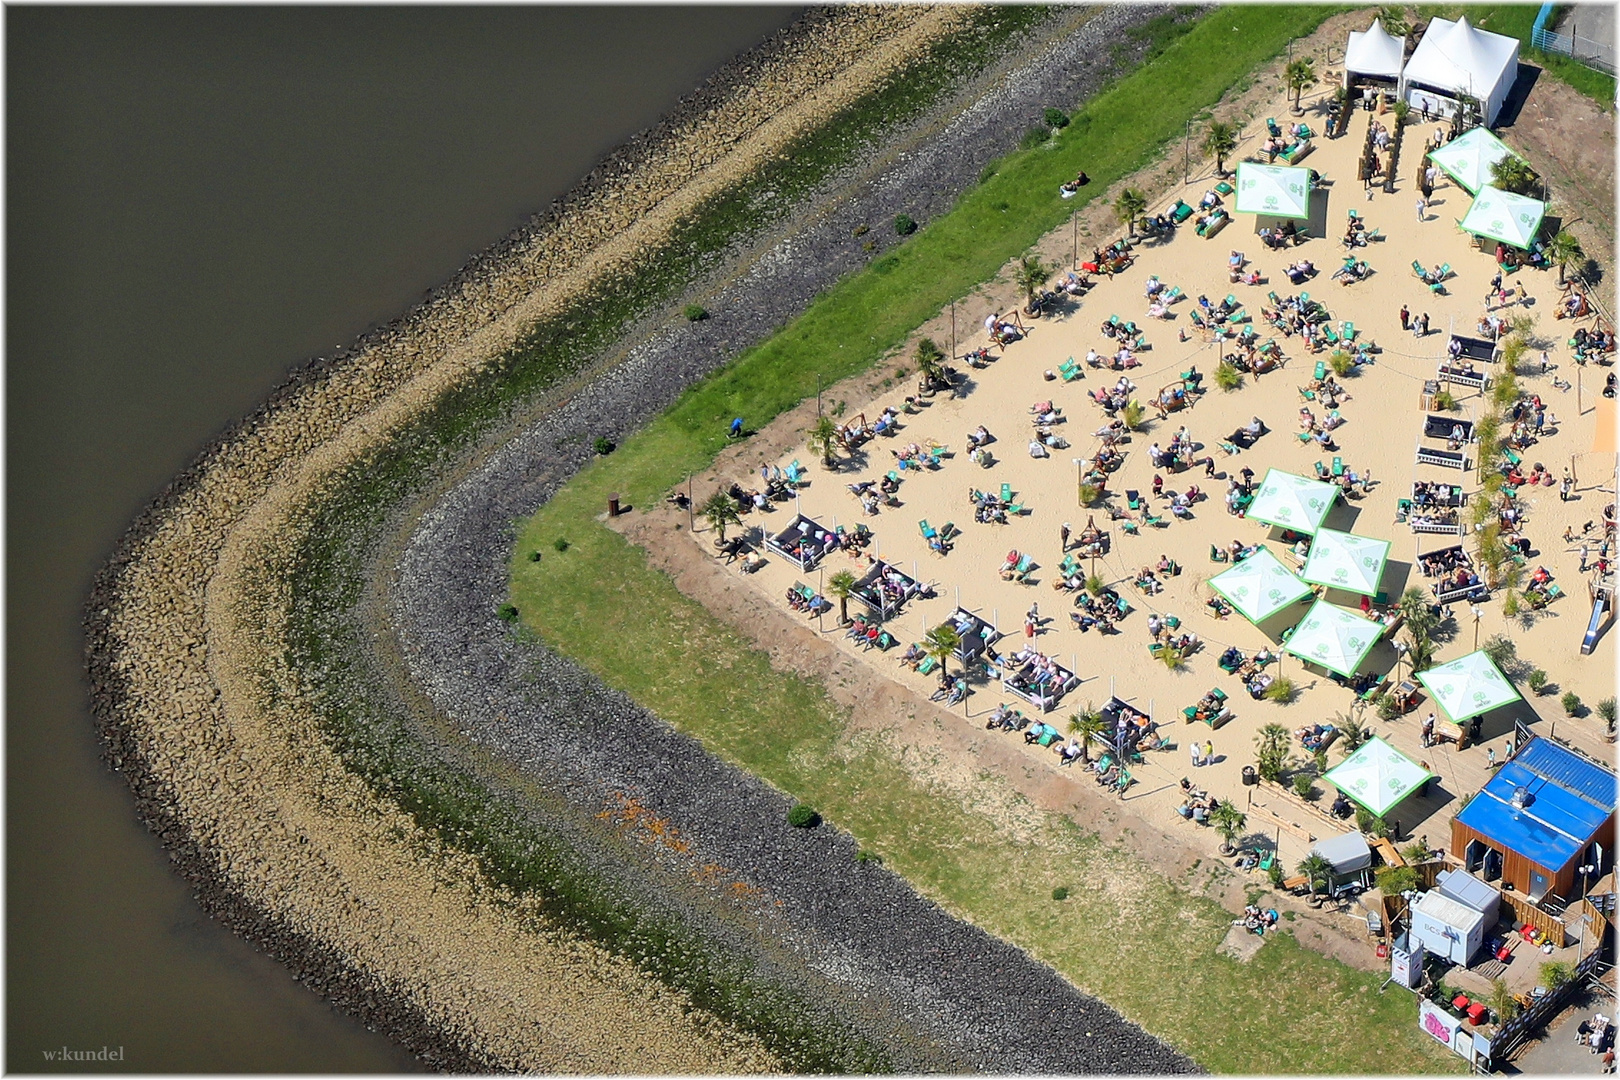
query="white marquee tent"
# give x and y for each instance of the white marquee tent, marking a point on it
(1373, 53)
(1455, 58)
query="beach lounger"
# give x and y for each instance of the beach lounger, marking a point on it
(1304, 437)
(1006, 493)
(928, 666)
(1227, 448)
(794, 472)
(1320, 371)
(1173, 295)
(1223, 188)
(1347, 330)
(928, 531)
(1133, 499)
(1321, 471)
(1338, 466)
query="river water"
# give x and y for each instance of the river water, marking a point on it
(198, 199)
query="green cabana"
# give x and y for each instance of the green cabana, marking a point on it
(1502, 215)
(1346, 561)
(1333, 638)
(1377, 776)
(1468, 159)
(1468, 686)
(1259, 586)
(1274, 190)
(1292, 502)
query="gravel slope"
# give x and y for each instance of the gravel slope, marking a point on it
(970, 1001)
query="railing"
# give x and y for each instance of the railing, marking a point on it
(1543, 1009)
(1594, 54)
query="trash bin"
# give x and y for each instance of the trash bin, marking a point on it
(613, 504)
(1250, 777)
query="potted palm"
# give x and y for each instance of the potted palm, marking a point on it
(1227, 820)
(720, 511)
(841, 585)
(1316, 871)
(1088, 726)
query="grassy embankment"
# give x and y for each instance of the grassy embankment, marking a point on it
(477, 806)
(1516, 20)
(1125, 934)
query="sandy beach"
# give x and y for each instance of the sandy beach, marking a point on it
(1383, 421)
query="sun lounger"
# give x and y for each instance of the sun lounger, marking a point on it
(1338, 466)
(928, 666)
(1320, 371)
(1006, 493)
(1227, 448)
(1133, 499)
(1181, 211)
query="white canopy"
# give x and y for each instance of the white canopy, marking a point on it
(1346, 561)
(1377, 776)
(1292, 502)
(1276, 190)
(1468, 686)
(1468, 158)
(1333, 638)
(1374, 51)
(1259, 586)
(1502, 215)
(1454, 58)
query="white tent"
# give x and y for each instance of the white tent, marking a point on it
(1346, 561)
(1502, 215)
(1259, 586)
(1468, 158)
(1274, 190)
(1292, 502)
(1468, 686)
(1377, 776)
(1454, 58)
(1333, 638)
(1374, 52)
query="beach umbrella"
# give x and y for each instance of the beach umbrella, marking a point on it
(1273, 190)
(1259, 586)
(1292, 502)
(1333, 638)
(1502, 215)
(1377, 776)
(1346, 561)
(1468, 686)
(1468, 159)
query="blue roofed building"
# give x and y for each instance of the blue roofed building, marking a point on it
(1546, 813)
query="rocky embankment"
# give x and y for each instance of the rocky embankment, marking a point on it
(221, 736)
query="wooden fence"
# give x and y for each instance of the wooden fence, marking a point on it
(1526, 912)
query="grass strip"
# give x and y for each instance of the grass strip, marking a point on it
(1126, 934)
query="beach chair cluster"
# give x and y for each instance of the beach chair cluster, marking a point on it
(1435, 279)
(869, 634)
(939, 540)
(1210, 709)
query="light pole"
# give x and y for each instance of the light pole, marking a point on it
(1478, 611)
(1186, 156)
(1586, 873)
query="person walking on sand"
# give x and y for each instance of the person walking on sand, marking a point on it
(1064, 536)
(1197, 754)
(1422, 205)
(1209, 752)
(1424, 332)
(1584, 554)
(1406, 318)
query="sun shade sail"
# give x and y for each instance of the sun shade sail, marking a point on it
(1377, 776)
(1502, 215)
(1468, 158)
(1468, 686)
(1333, 638)
(1259, 586)
(1275, 190)
(1292, 502)
(1346, 561)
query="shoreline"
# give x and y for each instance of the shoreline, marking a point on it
(148, 674)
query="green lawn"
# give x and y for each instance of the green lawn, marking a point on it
(1139, 942)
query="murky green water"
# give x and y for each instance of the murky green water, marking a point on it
(197, 200)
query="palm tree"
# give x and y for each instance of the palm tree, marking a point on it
(1088, 726)
(1316, 869)
(1563, 249)
(720, 511)
(841, 585)
(1416, 612)
(940, 643)
(1512, 174)
(1129, 206)
(1030, 276)
(1172, 657)
(1300, 75)
(1220, 140)
(824, 438)
(1352, 732)
(1228, 821)
(1271, 751)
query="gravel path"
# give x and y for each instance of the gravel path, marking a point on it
(936, 992)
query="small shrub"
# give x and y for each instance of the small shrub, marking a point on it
(870, 245)
(1341, 363)
(863, 856)
(1510, 604)
(1571, 702)
(1444, 401)
(560, 544)
(1501, 650)
(1556, 973)
(1537, 680)
(904, 225)
(1034, 137)
(1394, 880)
(1605, 710)
(1055, 118)
(1275, 874)
(1304, 785)
(507, 613)
(603, 445)
(1133, 414)
(1094, 585)
(988, 171)
(695, 312)
(1281, 690)
(803, 816)
(1089, 494)
(1388, 708)
(1417, 851)
(534, 556)
(1364, 819)
(1060, 893)
(862, 229)
(1227, 376)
